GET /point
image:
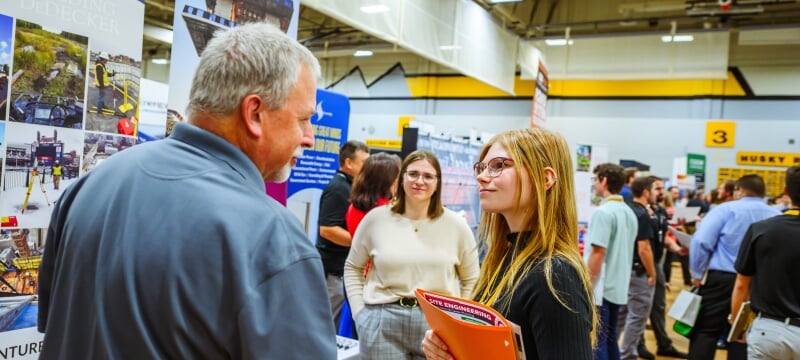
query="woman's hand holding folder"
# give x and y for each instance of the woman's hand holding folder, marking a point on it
(434, 347)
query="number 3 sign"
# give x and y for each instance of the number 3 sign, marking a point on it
(720, 133)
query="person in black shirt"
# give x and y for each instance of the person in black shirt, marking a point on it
(767, 272)
(646, 190)
(659, 219)
(533, 273)
(333, 239)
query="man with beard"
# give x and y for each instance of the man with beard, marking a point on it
(643, 272)
(660, 222)
(725, 191)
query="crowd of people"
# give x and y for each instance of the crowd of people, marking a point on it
(239, 279)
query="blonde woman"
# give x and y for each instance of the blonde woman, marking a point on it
(413, 243)
(532, 273)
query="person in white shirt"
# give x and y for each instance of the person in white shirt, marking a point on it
(412, 243)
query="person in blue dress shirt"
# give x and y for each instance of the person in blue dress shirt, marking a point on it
(713, 252)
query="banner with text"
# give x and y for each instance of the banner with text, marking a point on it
(69, 88)
(696, 166)
(763, 158)
(315, 169)
(539, 106)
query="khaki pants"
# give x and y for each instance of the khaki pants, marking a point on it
(772, 339)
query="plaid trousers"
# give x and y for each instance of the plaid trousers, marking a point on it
(390, 331)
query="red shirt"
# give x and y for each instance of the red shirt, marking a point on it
(354, 216)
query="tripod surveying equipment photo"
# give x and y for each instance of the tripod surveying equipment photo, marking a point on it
(33, 179)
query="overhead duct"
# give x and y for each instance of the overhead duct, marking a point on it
(714, 9)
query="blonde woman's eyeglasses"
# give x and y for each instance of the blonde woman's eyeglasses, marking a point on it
(493, 167)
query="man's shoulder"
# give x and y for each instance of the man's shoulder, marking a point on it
(613, 209)
(639, 211)
(744, 205)
(618, 207)
(338, 184)
(780, 222)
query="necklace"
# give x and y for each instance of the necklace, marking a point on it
(417, 223)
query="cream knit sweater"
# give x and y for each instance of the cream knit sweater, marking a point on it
(437, 255)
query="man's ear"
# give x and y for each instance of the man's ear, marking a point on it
(253, 115)
(550, 177)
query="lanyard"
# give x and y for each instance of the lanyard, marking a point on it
(794, 212)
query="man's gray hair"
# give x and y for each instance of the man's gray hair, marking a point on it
(254, 58)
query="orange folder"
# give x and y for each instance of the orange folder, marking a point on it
(470, 329)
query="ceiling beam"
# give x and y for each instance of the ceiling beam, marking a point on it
(551, 12)
(152, 21)
(160, 6)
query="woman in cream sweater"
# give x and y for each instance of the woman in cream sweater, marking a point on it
(413, 243)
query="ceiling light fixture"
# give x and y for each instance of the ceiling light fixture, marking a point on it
(558, 42)
(374, 9)
(677, 38)
(361, 53)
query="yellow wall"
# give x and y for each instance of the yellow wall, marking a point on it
(449, 86)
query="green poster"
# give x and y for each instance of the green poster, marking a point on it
(696, 165)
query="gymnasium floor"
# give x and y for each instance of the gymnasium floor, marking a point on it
(680, 342)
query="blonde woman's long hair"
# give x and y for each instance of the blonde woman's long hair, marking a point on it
(552, 218)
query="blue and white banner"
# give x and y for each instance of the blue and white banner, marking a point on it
(316, 167)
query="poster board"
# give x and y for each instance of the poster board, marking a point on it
(57, 116)
(587, 157)
(775, 180)
(315, 169)
(459, 187)
(194, 25)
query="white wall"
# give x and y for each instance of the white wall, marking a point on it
(155, 72)
(656, 141)
(774, 80)
(381, 126)
(653, 141)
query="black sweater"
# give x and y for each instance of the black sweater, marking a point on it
(549, 330)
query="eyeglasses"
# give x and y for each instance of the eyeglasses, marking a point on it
(495, 166)
(415, 175)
